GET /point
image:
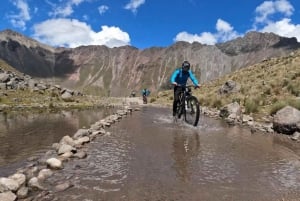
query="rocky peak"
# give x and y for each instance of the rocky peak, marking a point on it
(9, 35)
(256, 41)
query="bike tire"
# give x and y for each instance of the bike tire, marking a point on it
(179, 107)
(178, 110)
(192, 111)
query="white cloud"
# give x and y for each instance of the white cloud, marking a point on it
(224, 32)
(62, 11)
(134, 4)
(264, 19)
(19, 20)
(263, 11)
(205, 37)
(223, 26)
(66, 9)
(76, 2)
(85, 17)
(102, 9)
(111, 37)
(73, 33)
(282, 26)
(268, 8)
(284, 6)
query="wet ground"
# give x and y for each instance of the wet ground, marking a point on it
(148, 157)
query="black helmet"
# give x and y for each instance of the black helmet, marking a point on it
(186, 66)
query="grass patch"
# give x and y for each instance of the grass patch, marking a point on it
(251, 106)
(277, 106)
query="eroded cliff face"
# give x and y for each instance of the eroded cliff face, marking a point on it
(117, 71)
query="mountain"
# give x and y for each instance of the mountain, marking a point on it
(117, 71)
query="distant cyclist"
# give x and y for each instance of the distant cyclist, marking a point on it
(145, 93)
(179, 78)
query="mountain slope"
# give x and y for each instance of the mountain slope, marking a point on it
(265, 87)
(117, 71)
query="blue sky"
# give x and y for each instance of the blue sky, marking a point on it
(147, 23)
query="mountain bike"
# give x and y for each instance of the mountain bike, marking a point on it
(188, 106)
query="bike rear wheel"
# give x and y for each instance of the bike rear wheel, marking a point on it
(192, 111)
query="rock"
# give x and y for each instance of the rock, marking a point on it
(34, 184)
(55, 146)
(82, 140)
(229, 87)
(80, 155)
(67, 140)
(30, 172)
(54, 163)
(64, 148)
(7, 196)
(287, 120)
(80, 133)
(96, 127)
(63, 186)
(67, 96)
(233, 110)
(247, 118)
(44, 174)
(22, 192)
(4, 77)
(7, 184)
(3, 86)
(105, 123)
(66, 156)
(19, 178)
(296, 136)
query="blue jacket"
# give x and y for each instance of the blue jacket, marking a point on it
(181, 78)
(146, 92)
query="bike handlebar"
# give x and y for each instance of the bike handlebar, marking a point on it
(187, 86)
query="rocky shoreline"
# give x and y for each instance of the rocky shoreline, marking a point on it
(286, 121)
(27, 183)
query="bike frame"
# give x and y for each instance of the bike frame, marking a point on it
(185, 93)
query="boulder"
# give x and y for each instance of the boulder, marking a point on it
(54, 163)
(229, 87)
(7, 196)
(232, 110)
(287, 120)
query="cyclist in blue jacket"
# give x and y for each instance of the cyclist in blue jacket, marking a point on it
(180, 77)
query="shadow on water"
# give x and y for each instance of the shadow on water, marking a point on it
(149, 157)
(26, 134)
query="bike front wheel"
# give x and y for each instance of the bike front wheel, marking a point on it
(192, 111)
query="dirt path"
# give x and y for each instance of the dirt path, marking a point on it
(133, 100)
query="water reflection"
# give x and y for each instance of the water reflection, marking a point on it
(186, 146)
(26, 134)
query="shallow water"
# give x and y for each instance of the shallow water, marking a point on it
(149, 157)
(23, 135)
